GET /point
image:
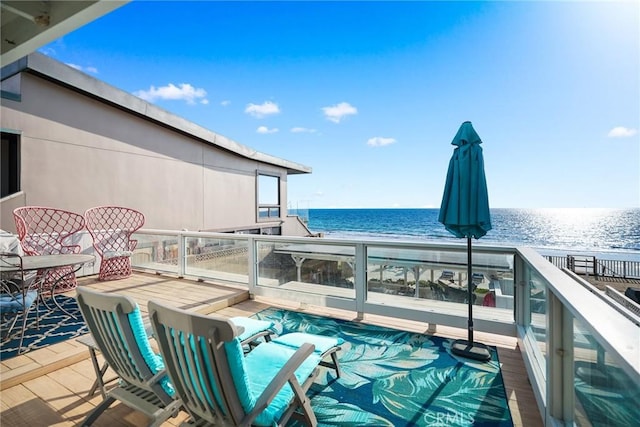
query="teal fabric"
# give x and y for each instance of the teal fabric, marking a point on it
(251, 326)
(153, 361)
(296, 339)
(465, 202)
(235, 356)
(253, 373)
(14, 303)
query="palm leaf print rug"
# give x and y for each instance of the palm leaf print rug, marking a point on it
(396, 378)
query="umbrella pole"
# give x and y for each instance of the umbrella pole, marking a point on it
(469, 291)
(468, 348)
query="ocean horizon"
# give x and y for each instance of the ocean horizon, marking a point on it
(611, 233)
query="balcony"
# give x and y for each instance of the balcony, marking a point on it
(555, 337)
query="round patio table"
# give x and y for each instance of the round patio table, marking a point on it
(43, 263)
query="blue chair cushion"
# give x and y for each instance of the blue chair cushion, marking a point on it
(13, 303)
(253, 373)
(251, 326)
(153, 360)
(237, 365)
(321, 342)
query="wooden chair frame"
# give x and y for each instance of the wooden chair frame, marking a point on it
(140, 388)
(213, 397)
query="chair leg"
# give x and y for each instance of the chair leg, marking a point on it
(25, 315)
(305, 414)
(171, 410)
(99, 381)
(10, 328)
(334, 358)
(308, 414)
(93, 415)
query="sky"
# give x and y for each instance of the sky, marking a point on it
(371, 94)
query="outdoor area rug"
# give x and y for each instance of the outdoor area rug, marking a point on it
(396, 378)
(55, 326)
(611, 399)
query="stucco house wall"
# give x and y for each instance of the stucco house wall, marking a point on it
(84, 143)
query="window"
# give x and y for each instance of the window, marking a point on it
(9, 164)
(268, 197)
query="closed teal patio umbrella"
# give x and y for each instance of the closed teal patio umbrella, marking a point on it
(465, 213)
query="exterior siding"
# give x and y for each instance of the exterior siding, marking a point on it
(78, 151)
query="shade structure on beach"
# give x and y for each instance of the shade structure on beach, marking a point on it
(465, 213)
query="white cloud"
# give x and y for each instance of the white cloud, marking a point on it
(264, 130)
(621, 132)
(92, 70)
(225, 102)
(380, 141)
(302, 130)
(259, 111)
(336, 113)
(182, 92)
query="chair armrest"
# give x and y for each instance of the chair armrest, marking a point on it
(132, 244)
(284, 376)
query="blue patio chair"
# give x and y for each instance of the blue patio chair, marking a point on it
(18, 295)
(218, 384)
(116, 325)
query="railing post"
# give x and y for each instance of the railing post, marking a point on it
(360, 279)
(182, 255)
(252, 257)
(521, 293)
(559, 358)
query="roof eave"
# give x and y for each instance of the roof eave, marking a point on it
(67, 76)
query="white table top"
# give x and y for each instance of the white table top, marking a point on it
(40, 262)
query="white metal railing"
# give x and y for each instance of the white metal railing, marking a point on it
(567, 335)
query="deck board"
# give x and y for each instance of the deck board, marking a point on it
(49, 386)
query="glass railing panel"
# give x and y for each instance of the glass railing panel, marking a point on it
(223, 259)
(442, 275)
(537, 290)
(535, 322)
(325, 269)
(156, 252)
(604, 395)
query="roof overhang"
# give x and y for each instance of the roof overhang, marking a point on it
(66, 76)
(28, 25)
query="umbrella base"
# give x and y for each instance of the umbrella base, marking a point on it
(471, 350)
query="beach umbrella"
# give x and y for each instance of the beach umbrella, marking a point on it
(465, 213)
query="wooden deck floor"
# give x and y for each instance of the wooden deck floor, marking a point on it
(48, 387)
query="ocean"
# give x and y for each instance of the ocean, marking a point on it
(607, 233)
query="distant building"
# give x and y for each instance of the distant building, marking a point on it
(71, 141)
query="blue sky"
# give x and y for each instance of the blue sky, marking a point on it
(370, 94)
